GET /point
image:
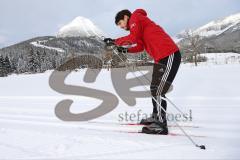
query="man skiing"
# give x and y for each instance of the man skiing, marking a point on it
(145, 34)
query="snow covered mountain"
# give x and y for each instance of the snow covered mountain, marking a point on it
(217, 27)
(222, 35)
(80, 27)
(49, 52)
(79, 37)
(220, 26)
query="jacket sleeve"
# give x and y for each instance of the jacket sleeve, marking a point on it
(134, 36)
(138, 48)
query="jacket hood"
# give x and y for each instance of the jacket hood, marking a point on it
(141, 11)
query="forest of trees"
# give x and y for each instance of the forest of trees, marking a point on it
(26, 58)
(35, 61)
(6, 67)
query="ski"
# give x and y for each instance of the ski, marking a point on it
(138, 124)
(132, 131)
(171, 126)
(129, 128)
(169, 134)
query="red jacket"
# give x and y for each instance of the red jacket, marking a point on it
(147, 35)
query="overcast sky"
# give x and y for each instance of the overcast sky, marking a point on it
(24, 19)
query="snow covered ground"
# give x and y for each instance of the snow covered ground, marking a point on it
(29, 128)
(221, 58)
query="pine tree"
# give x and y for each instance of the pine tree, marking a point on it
(30, 60)
(33, 64)
(3, 71)
(7, 65)
(13, 66)
(37, 59)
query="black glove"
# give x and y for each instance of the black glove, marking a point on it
(122, 49)
(109, 41)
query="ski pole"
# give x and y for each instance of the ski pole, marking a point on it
(183, 131)
(165, 98)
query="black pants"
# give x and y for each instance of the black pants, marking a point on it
(163, 75)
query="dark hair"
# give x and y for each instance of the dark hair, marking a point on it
(120, 15)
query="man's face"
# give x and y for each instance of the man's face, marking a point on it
(124, 23)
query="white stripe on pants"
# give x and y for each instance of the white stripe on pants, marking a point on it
(162, 84)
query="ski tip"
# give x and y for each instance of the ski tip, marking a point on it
(202, 147)
(131, 124)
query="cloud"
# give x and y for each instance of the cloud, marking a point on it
(3, 41)
(27, 19)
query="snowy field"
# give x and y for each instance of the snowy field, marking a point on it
(29, 128)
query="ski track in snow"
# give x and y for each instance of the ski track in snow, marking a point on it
(38, 44)
(29, 128)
